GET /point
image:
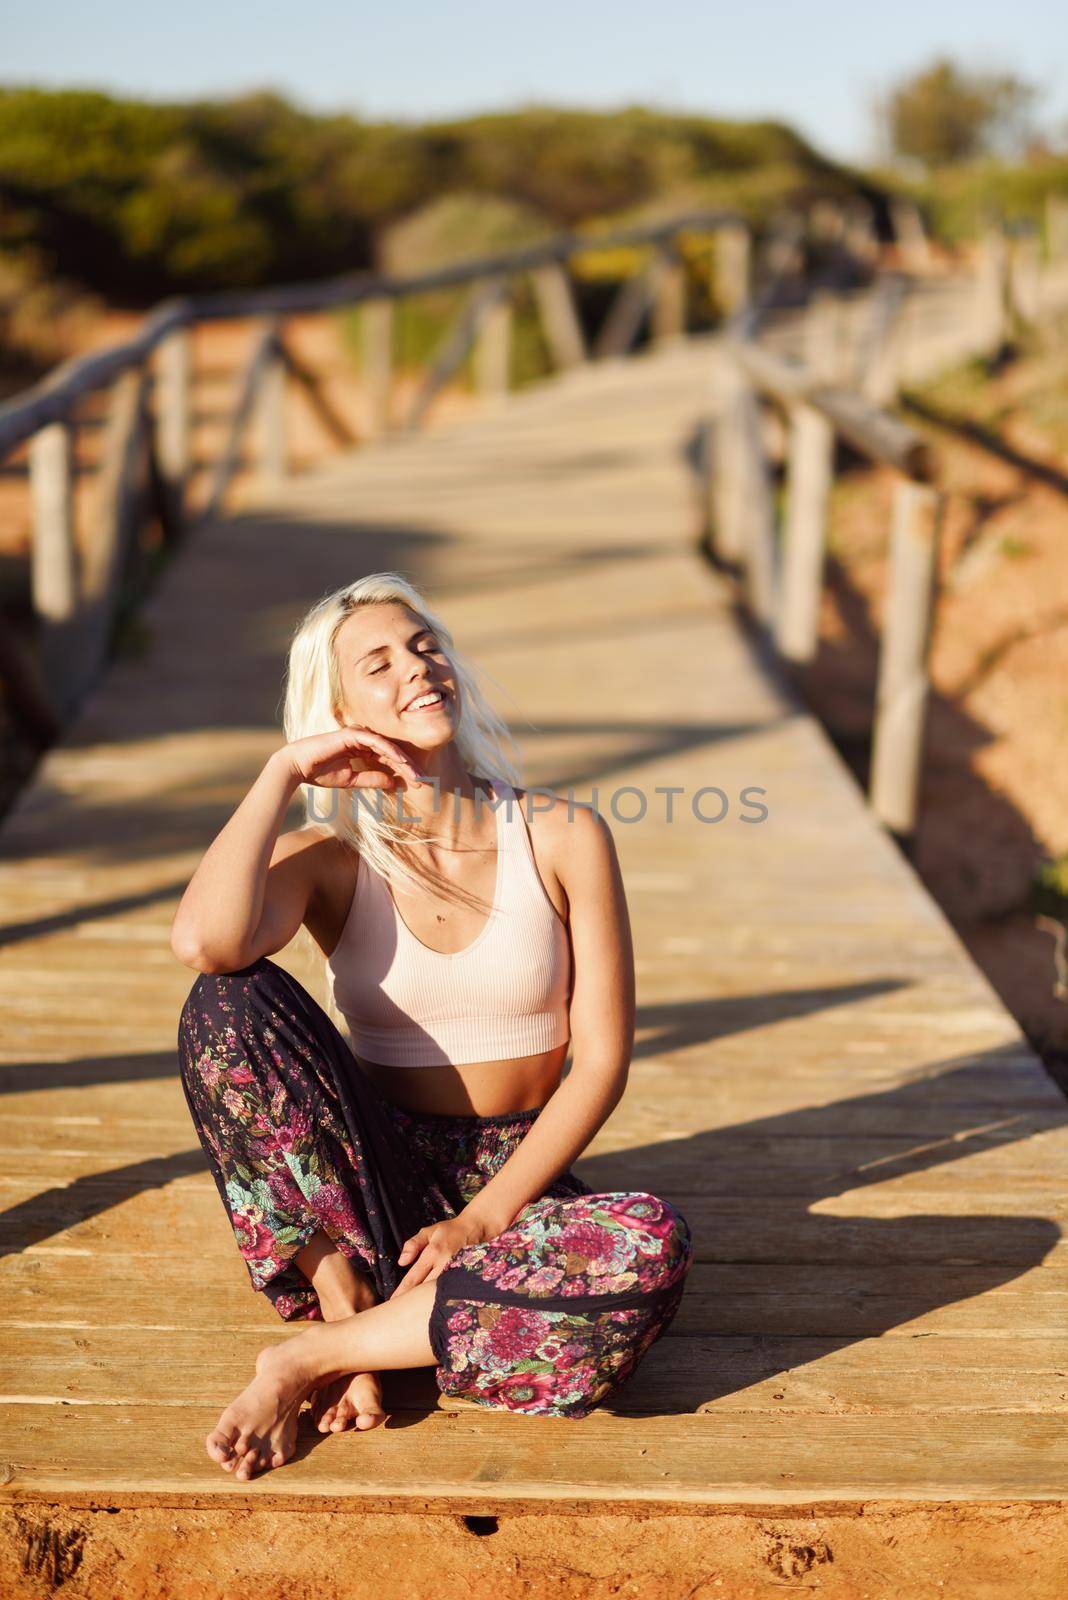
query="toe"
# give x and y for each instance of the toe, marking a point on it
(220, 1444)
(344, 1415)
(370, 1419)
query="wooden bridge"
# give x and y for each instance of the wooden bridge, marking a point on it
(865, 1389)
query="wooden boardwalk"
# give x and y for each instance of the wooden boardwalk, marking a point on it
(866, 1382)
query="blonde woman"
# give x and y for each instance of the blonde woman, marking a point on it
(405, 1185)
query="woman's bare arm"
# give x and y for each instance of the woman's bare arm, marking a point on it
(602, 1040)
(251, 891)
(227, 919)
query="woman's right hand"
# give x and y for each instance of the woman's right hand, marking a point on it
(351, 758)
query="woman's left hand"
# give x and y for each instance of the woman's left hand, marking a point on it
(432, 1248)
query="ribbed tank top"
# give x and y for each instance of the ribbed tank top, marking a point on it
(504, 995)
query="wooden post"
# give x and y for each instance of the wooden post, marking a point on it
(902, 687)
(117, 507)
(808, 491)
(669, 302)
(627, 312)
(54, 576)
(263, 353)
(1026, 280)
(376, 317)
(827, 222)
(784, 253)
(733, 253)
(861, 238)
(809, 471)
(911, 235)
(724, 486)
(756, 509)
(455, 346)
(493, 351)
(273, 443)
(990, 311)
(556, 307)
(174, 413)
(54, 561)
(741, 496)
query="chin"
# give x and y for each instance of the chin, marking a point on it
(429, 741)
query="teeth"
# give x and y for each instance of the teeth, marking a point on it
(426, 700)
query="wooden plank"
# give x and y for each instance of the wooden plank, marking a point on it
(718, 1458)
(876, 1232)
(739, 1299)
(780, 1376)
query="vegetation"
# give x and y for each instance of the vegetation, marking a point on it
(944, 114)
(968, 147)
(140, 200)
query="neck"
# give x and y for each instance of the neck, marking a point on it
(451, 811)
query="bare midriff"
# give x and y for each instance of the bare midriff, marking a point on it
(476, 1088)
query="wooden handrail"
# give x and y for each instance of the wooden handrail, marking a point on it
(876, 433)
(151, 375)
(783, 578)
(53, 399)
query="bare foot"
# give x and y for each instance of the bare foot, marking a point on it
(258, 1430)
(353, 1399)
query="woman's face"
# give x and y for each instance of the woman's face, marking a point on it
(396, 677)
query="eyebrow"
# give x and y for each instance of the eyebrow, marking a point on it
(418, 634)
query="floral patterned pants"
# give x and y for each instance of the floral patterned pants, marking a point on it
(548, 1317)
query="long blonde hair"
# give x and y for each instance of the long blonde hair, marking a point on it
(369, 821)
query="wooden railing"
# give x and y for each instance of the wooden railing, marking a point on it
(145, 466)
(853, 355)
(858, 348)
(782, 568)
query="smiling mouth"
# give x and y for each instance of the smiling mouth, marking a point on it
(431, 701)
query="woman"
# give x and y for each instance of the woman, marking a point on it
(408, 1190)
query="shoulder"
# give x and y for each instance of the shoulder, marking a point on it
(574, 833)
(313, 854)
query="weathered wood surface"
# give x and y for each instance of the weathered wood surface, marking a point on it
(873, 1161)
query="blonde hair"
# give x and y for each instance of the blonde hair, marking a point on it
(369, 821)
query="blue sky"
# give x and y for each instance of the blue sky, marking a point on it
(815, 65)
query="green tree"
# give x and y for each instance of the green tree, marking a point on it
(943, 114)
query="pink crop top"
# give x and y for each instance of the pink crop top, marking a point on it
(505, 995)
